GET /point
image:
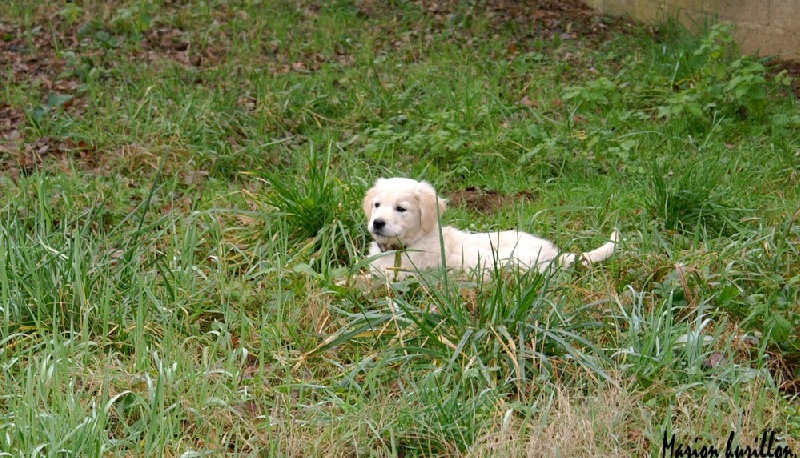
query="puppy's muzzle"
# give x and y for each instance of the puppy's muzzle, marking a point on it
(377, 226)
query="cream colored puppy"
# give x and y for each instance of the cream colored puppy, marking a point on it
(403, 216)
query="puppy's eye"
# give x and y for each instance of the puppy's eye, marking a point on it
(400, 209)
(377, 204)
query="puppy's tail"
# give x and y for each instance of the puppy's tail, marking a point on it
(596, 255)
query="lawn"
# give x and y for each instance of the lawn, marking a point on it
(182, 240)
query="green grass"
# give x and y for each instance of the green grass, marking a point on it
(181, 236)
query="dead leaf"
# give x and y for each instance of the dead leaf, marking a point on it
(528, 102)
(245, 220)
(714, 360)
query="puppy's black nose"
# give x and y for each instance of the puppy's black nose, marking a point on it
(378, 225)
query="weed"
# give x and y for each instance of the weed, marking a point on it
(316, 207)
(722, 85)
(694, 199)
(596, 93)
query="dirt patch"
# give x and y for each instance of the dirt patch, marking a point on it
(168, 43)
(784, 368)
(531, 21)
(33, 59)
(10, 119)
(566, 19)
(30, 53)
(19, 159)
(173, 44)
(485, 201)
(792, 69)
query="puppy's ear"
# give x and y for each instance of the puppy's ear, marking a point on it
(367, 203)
(430, 206)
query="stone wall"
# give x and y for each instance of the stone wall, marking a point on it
(766, 27)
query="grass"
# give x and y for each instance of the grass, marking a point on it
(181, 233)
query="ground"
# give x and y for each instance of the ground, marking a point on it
(182, 242)
(35, 58)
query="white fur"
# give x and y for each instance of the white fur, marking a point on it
(404, 213)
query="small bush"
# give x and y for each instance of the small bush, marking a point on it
(693, 198)
(316, 207)
(723, 84)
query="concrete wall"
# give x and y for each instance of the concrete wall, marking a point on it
(762, 26)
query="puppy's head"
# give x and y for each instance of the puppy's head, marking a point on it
(400, 211)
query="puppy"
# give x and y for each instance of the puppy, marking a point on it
(403, 216)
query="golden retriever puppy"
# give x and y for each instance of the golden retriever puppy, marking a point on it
(403, 216)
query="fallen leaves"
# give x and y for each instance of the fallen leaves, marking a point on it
(10, 120)
(567, 19)
(28, 157)
(36, 59)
